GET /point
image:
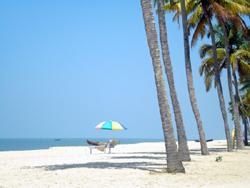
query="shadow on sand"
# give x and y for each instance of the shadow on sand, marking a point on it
(148, 166)
(140, 157)
(192, 152)
(211, 150)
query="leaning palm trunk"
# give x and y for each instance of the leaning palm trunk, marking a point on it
(217, 76)
(182, 139)
(174, 164)
(246, 129)
(247, 125)
(238, 132)
(190, 83)
(230, 87)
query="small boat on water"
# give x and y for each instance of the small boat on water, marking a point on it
(94, 143)
(208, 140)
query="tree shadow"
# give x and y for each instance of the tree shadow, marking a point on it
(140, 157)
(216, 150)
(213, 150)
(147, 166)
(147, 153)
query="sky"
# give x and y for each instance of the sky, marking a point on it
(66, 65)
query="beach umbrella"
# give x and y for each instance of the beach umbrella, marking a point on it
(110, 125)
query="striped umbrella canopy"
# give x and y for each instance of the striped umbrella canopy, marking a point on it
(110, 125)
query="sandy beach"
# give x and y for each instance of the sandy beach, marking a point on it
(129, 165)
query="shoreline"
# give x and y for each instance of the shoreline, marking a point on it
(20, 144)
(129, 165)
(84, 144)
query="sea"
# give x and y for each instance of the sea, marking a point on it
(19, 144)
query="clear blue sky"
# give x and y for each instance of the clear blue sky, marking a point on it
(66, 65)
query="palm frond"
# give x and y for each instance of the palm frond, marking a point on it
(192, 5)
(194, 18)
(176, 18)
(237, 7)
(204, 50)
(233, 60)
(200, 30)
(207, 71)
(242, 2)
(241, 56)
(206, 65)
(168, 7)
(220, 11)
(244, 69)
(245, 84)
(221, 53)
(209, 77)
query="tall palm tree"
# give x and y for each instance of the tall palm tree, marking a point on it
(233, 54)
(223, 16)
(182, 139)
(217, 77)
(174, 164)
(198, 19)
(208, 9)
(241, 106)
(191, 90)
(240, 57)
(234, 100)
(245, 105)
(176, 7)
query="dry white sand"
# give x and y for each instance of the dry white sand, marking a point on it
(130, 165)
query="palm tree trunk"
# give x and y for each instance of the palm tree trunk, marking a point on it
(191, 91)
(239, 142)
(174, 164)
(245, 122)
(181, 134)
(230, 87)
(238, 132)
(248, 127)
(217, 76)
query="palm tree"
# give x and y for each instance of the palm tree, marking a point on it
(209, 8)
(240, 60)
(237, 57)
(223, 15)
(218, 81)
(182, 139)
(201, 12)
(191, 90)
(176, 7)
(245, 105)
(174, 164)
(244, 111)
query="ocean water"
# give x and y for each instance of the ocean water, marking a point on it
(18, 144)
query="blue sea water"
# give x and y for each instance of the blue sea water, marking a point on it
(18, 144)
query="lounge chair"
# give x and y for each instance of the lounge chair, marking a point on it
(104, 147)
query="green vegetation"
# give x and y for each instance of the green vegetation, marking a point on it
(218, 159)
